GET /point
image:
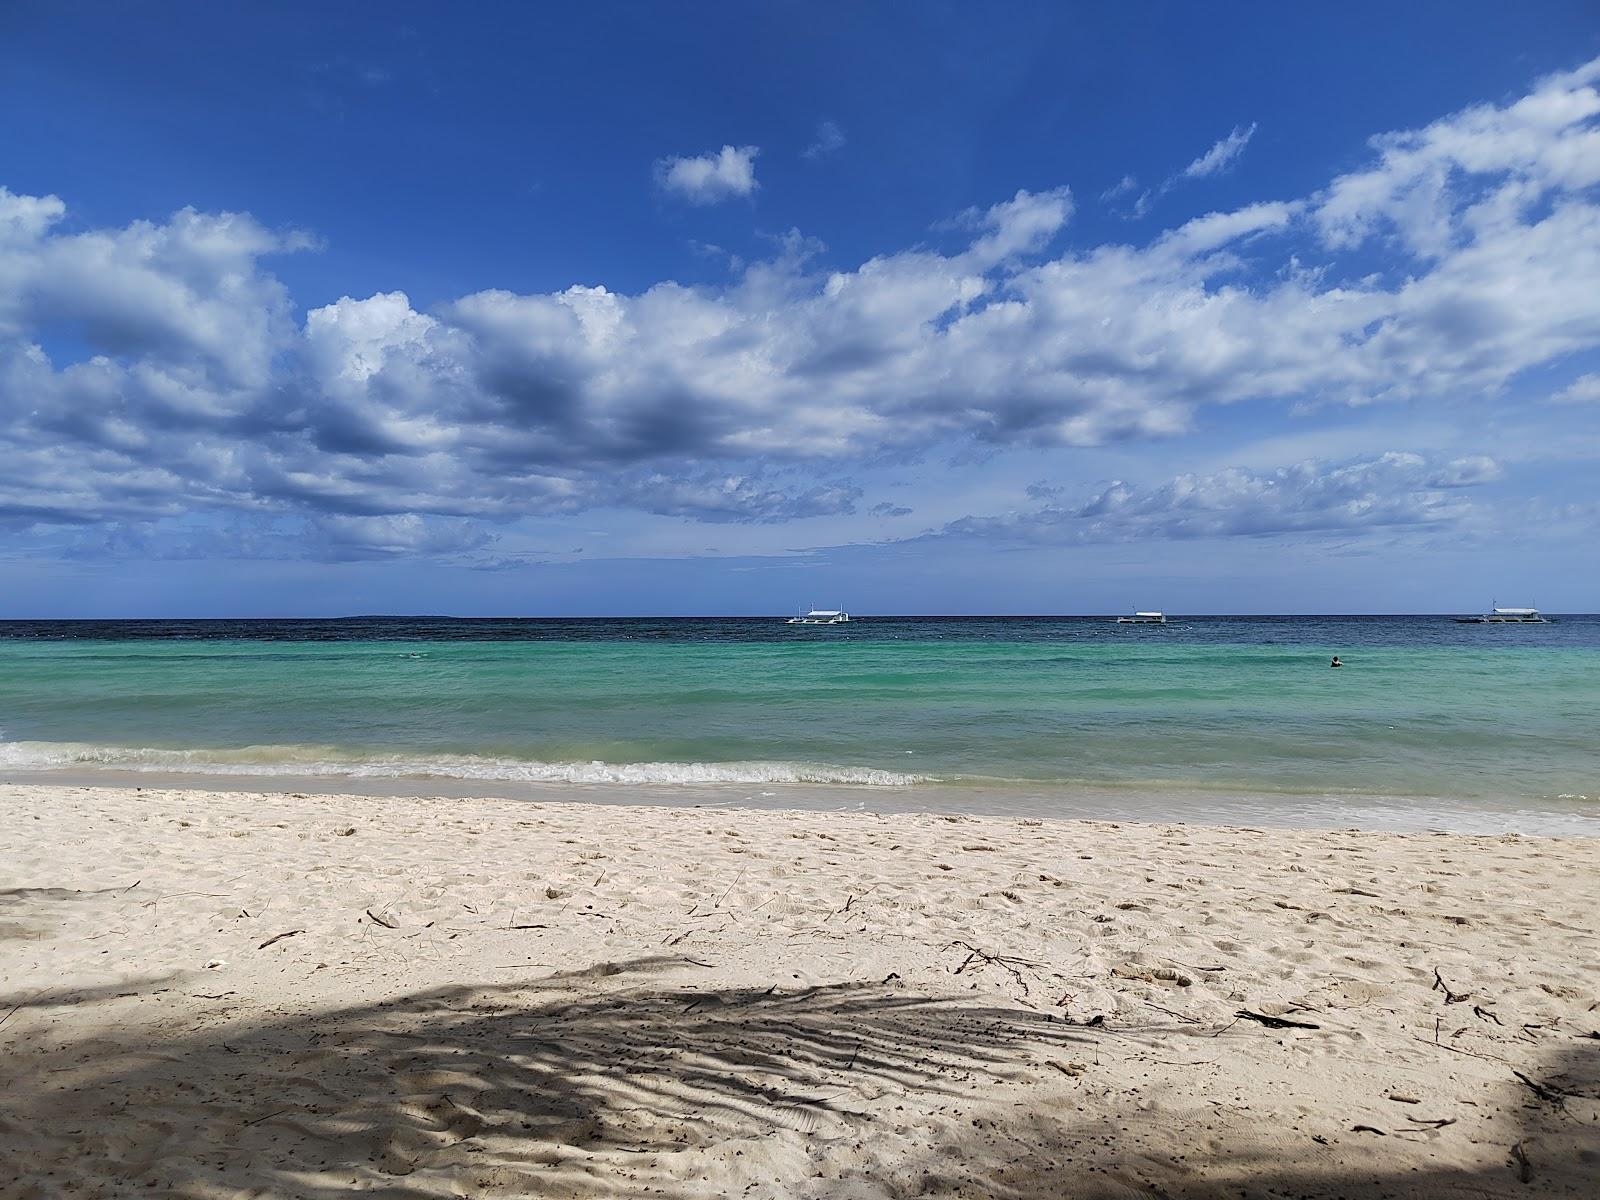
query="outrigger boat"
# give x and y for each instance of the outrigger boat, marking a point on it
(1506, 616)
(821, 616)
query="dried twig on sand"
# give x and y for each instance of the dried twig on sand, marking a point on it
(1274, 1022)
(1542, 1090)
(1524, 1167)
(1006, 962)
(1439, 985)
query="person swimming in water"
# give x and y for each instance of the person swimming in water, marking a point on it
(1336, 662)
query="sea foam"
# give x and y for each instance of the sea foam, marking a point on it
(334, 762)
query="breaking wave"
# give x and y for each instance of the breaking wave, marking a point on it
(335, 762)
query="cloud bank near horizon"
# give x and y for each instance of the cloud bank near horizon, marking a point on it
(158, 370)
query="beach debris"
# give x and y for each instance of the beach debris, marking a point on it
(385, 920)
(729, 888)
(1187, 1020)
(1072, 1069)
(15, 1008)
(1402, 1098)
(1275, 1022)
(1484, 1014)
(350, 832)
(1428, 1124)
(268, 1117)
(1519, 1159)
(1450, 997)
(1461, 1049)
(1368, 1129)
(213, 964)
(1544, 1091)
(1152, 974)
(1007, 962)
(278, 938)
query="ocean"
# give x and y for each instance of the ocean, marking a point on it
(1429, 724)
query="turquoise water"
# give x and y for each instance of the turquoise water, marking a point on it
(1423, 708)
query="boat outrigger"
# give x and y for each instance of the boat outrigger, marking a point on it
(1144, 618)
(821, 616)
(1506, 616)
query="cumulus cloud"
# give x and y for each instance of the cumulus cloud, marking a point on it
(160, 369)
(829, 138)
(1393, 489)
(709, 178)
(1221, 156)
(1474, 172)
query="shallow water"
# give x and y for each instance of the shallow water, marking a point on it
(1500, 718)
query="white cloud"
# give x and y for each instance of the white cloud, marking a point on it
(196, 389)
(1429, 185)
(1121, 188)
(1221, 156)
(24, 219)
(398, 536)
(829, 138)
(1215, 161)
(1469, 471)
(1017, 227)
(1585, 389)
(1395, 489)
(709, 178)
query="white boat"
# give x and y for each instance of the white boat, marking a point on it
(821, 616)
(1506, 616)
(1144, 618)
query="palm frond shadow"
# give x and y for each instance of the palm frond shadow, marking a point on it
(545, 1088)
(604, 1082)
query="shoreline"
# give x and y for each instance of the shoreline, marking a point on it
(212, 991)
(1145, 803)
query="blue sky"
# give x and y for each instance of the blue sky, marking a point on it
(730, 308)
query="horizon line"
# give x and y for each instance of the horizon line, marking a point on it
(762, 616)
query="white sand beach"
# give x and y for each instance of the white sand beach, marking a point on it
(213, 994)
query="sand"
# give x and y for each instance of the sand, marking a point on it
(215, 994)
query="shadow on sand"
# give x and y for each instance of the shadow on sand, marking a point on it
(598, 1083)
